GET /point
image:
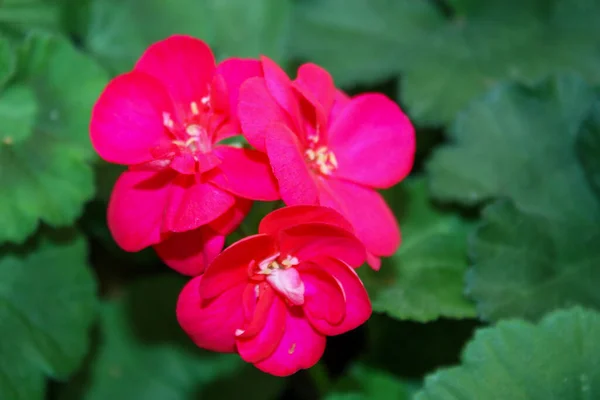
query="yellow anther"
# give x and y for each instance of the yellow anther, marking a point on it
(290, 261)
(194, 107)
(292, 348)
(167, 121)
(194, 130)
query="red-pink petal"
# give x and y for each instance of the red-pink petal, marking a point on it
(136, 208)
(245, 173)
(280, 87)
(373, 141)
(190, 252)
(185, 65)
(340, 102)
(373, 261)
(373, 221)
(325, 302)
(300, 347)
(257, 111)
(211, 323)
(231, 266)
(193, 204)
(261, 345)
(287, 217)
(358, 305)
(127, 119)
(307, 241)
(230, 221)
(235, 71)
(296, 183)
(318, 84)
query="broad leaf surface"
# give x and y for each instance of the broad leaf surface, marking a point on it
(558, 359)
(44, 173)
(361, 40)
(518, 142)
(47, 304)
(424, 280)
(119, 31)
(525, 265)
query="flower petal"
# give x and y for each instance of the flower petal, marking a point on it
(317, 84)
(261, 345)
(231, 266)
(373, 221)
(190, 252)
(185, 66)
(136, 208)
(127, 119)
(300, 347)
(235, 71)
(325, 302)
(245, 173)
(296, 183)
(280, 87)
(211, 323)
(373, 141)
(230, 221)
(307, 241)
(340, 102)
(287, 217)
(257, 110)
(193, 204)
(358, 305)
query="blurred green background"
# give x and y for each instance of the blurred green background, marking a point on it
(500, 217)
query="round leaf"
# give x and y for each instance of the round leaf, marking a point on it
(557, 359)
(45, 176)
(424, 280)
(47, 303)
(18, 109)
(526, 265)
(519, 143)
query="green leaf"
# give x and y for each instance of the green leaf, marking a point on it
(519, 142)
(556, 359)
(144, 354)
(47, 303)
(588, 146)
(18, 110)
(21, 16)
(363, 382)
(360, 40)
(526, 265)
(119, 31)
(424, 279)
(46, 176)
(8, 61)
(494, 41)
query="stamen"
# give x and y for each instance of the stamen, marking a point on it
(205, 100)
(194, 107)
(290, 261)
(194, 130)
(322, 159)
(292, 348)
(167, 121)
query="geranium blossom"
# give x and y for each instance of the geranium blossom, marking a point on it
(329, 149)
(275, 296)
(184, 189)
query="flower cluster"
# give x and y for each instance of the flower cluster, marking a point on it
(272, 297)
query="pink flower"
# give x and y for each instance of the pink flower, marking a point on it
(184, 189)
(326, 148)
(274, 296)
